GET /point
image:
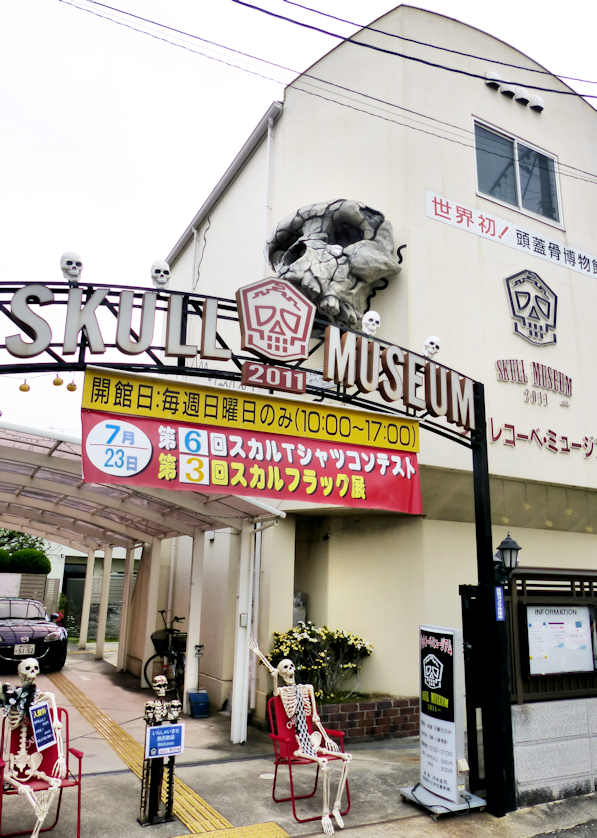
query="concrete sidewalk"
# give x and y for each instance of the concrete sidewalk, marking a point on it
(236, 780)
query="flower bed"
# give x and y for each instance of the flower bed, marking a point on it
(373, 718)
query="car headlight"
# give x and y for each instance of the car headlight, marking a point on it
(52, 635)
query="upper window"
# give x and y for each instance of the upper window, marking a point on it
(512, 172)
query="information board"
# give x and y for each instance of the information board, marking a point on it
(560, 639)
(164, 741)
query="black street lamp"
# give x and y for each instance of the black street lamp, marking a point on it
(505, 559)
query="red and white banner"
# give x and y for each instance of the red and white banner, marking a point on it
(140, 451)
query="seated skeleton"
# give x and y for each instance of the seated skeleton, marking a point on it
(298, 701)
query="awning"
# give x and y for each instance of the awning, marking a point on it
(42, 493)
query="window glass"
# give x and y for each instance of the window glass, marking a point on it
(495, 165)
(537, 182)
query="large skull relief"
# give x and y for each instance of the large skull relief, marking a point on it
(338, 254)
(534, 307)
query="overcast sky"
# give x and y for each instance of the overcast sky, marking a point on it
(111, 139)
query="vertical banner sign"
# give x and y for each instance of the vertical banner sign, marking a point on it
(41, 722)
(437, 705)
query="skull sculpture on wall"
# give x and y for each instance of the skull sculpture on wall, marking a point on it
(371, 322)
(338, 254)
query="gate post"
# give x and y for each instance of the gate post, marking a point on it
(495, 704)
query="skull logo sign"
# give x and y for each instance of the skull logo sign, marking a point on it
(339, 254)
(534, 308)
(433, 670)
(275, 319)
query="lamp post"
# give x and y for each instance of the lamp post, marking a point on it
(505, 560)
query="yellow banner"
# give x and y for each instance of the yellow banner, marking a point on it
(178, 401)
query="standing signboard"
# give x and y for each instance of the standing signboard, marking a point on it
(437, 707)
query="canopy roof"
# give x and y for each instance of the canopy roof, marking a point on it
(42, 493)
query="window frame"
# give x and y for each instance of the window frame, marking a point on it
(515, 139)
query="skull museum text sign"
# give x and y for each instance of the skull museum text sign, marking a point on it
(161, 434)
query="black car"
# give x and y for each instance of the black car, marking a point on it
(27, 631)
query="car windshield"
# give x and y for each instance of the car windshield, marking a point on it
(22, 609)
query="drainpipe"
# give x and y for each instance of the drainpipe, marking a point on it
(173, 559)
(268, 188)
(255, 618)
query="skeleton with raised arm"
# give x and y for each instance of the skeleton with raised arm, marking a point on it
(298, 701)
(23, 766)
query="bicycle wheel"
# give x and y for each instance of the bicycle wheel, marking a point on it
(179, 677)
(148, 669)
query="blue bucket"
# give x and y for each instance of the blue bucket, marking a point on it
(199, 701)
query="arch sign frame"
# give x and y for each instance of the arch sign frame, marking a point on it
(269, 339)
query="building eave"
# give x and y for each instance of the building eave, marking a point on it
(254, 139)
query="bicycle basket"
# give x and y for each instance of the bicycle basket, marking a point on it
(179, 641)
(160, 641)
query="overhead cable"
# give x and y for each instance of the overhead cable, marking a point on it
(310, 78)
(426, 62)
(435, 46)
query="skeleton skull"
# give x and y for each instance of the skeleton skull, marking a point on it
(160, 273)
(338, 254)
(160, 685)
(28, 670)
(371, 322)
(71, 266)
(174, 710)
(286, 671)
(431, 346)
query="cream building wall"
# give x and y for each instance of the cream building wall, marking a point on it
(382, 575)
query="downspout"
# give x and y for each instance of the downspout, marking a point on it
(255, 618)
(267, 210)
(173, 558)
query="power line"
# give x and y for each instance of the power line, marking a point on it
(310, 77)
(424, 61)
(436, 46)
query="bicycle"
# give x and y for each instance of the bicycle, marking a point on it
(170, 646)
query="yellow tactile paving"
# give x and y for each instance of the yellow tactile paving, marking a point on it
(257, 830)
(197, 815)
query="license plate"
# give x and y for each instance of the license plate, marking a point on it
(24, 649)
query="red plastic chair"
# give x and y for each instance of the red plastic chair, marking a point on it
(285, 744)
(72, 778)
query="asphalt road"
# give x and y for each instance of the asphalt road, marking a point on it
(583, 830)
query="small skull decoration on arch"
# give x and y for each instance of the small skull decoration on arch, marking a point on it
(338, 254)
(431, 346)
(370, 323)
(160, 273)
(71, 266)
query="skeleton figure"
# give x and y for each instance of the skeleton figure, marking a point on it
(338, 254)
(431, 346)
(160, 273)
(299, 702)
(157, 711)
(23, 766)
(371, 322)
(71, 266)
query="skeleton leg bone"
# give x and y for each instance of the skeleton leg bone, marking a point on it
(326, 822)
(346, 759)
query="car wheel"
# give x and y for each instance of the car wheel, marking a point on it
(55, 659)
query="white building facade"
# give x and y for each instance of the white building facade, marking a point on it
(491, 192)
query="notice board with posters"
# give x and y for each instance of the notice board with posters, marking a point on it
(441, 710)
(560, 639)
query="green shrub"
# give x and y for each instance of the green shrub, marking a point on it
(29, 560)
(5, 566)
(324, 657)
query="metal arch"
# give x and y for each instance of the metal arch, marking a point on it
(149, 361)
(103, 535)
